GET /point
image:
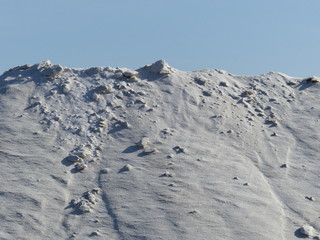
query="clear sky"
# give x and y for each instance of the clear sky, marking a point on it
(244, 37)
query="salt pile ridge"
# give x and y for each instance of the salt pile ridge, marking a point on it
(157, 153)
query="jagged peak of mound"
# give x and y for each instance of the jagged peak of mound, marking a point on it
(46, 68)
(160, 67)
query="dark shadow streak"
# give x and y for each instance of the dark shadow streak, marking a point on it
(31, 106)
(122, 170)
(109, 209)
(66, 161)
(143, 154)
(304, 85)
(298, 234)
(131, 149)
(116, 128)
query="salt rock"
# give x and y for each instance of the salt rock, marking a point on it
(130, 73)
(95, 97)
(78, 155)
(74, 158)
(247, 93)
(144, 143)
(65, 88)
(18, 77)
(84, 207)
(38, 103)
(96, 190)
(124, 123)
(127, 167)
(81, 166)
(207, 93)
(118, 74)
(307, 230)
(194, 212)
(223, 84)
(291, 83)
(160, 67)
(120, 86)
(93, 70)
(102, 122)
(271, 121)
(82, 153)
(200, 81)
(49, 70)
(310, 198)
(284, 165)
(105, 170)
(166, 174)
(76, 202)
(179, 149)
(91, 197)
(150, 150)
(95, 233)
(104, 89)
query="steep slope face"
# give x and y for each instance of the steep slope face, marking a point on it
(157, 153)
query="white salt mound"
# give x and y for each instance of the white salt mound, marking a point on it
(215, 155)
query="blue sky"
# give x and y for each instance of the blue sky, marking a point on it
(246, 37)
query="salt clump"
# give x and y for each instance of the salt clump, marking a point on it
(160, 67)
(200, 81)
(307, 230)
(126, 168)
(81, 166)
(49, 70)
(104, 89)
(166, 174)
(105, 170)
(93, 70)
(130, 73)
(85, 203)
(144, 142)
(179, 149)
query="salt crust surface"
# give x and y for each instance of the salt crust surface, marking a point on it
(157, 153)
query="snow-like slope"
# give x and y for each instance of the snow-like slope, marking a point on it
(157, 153)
